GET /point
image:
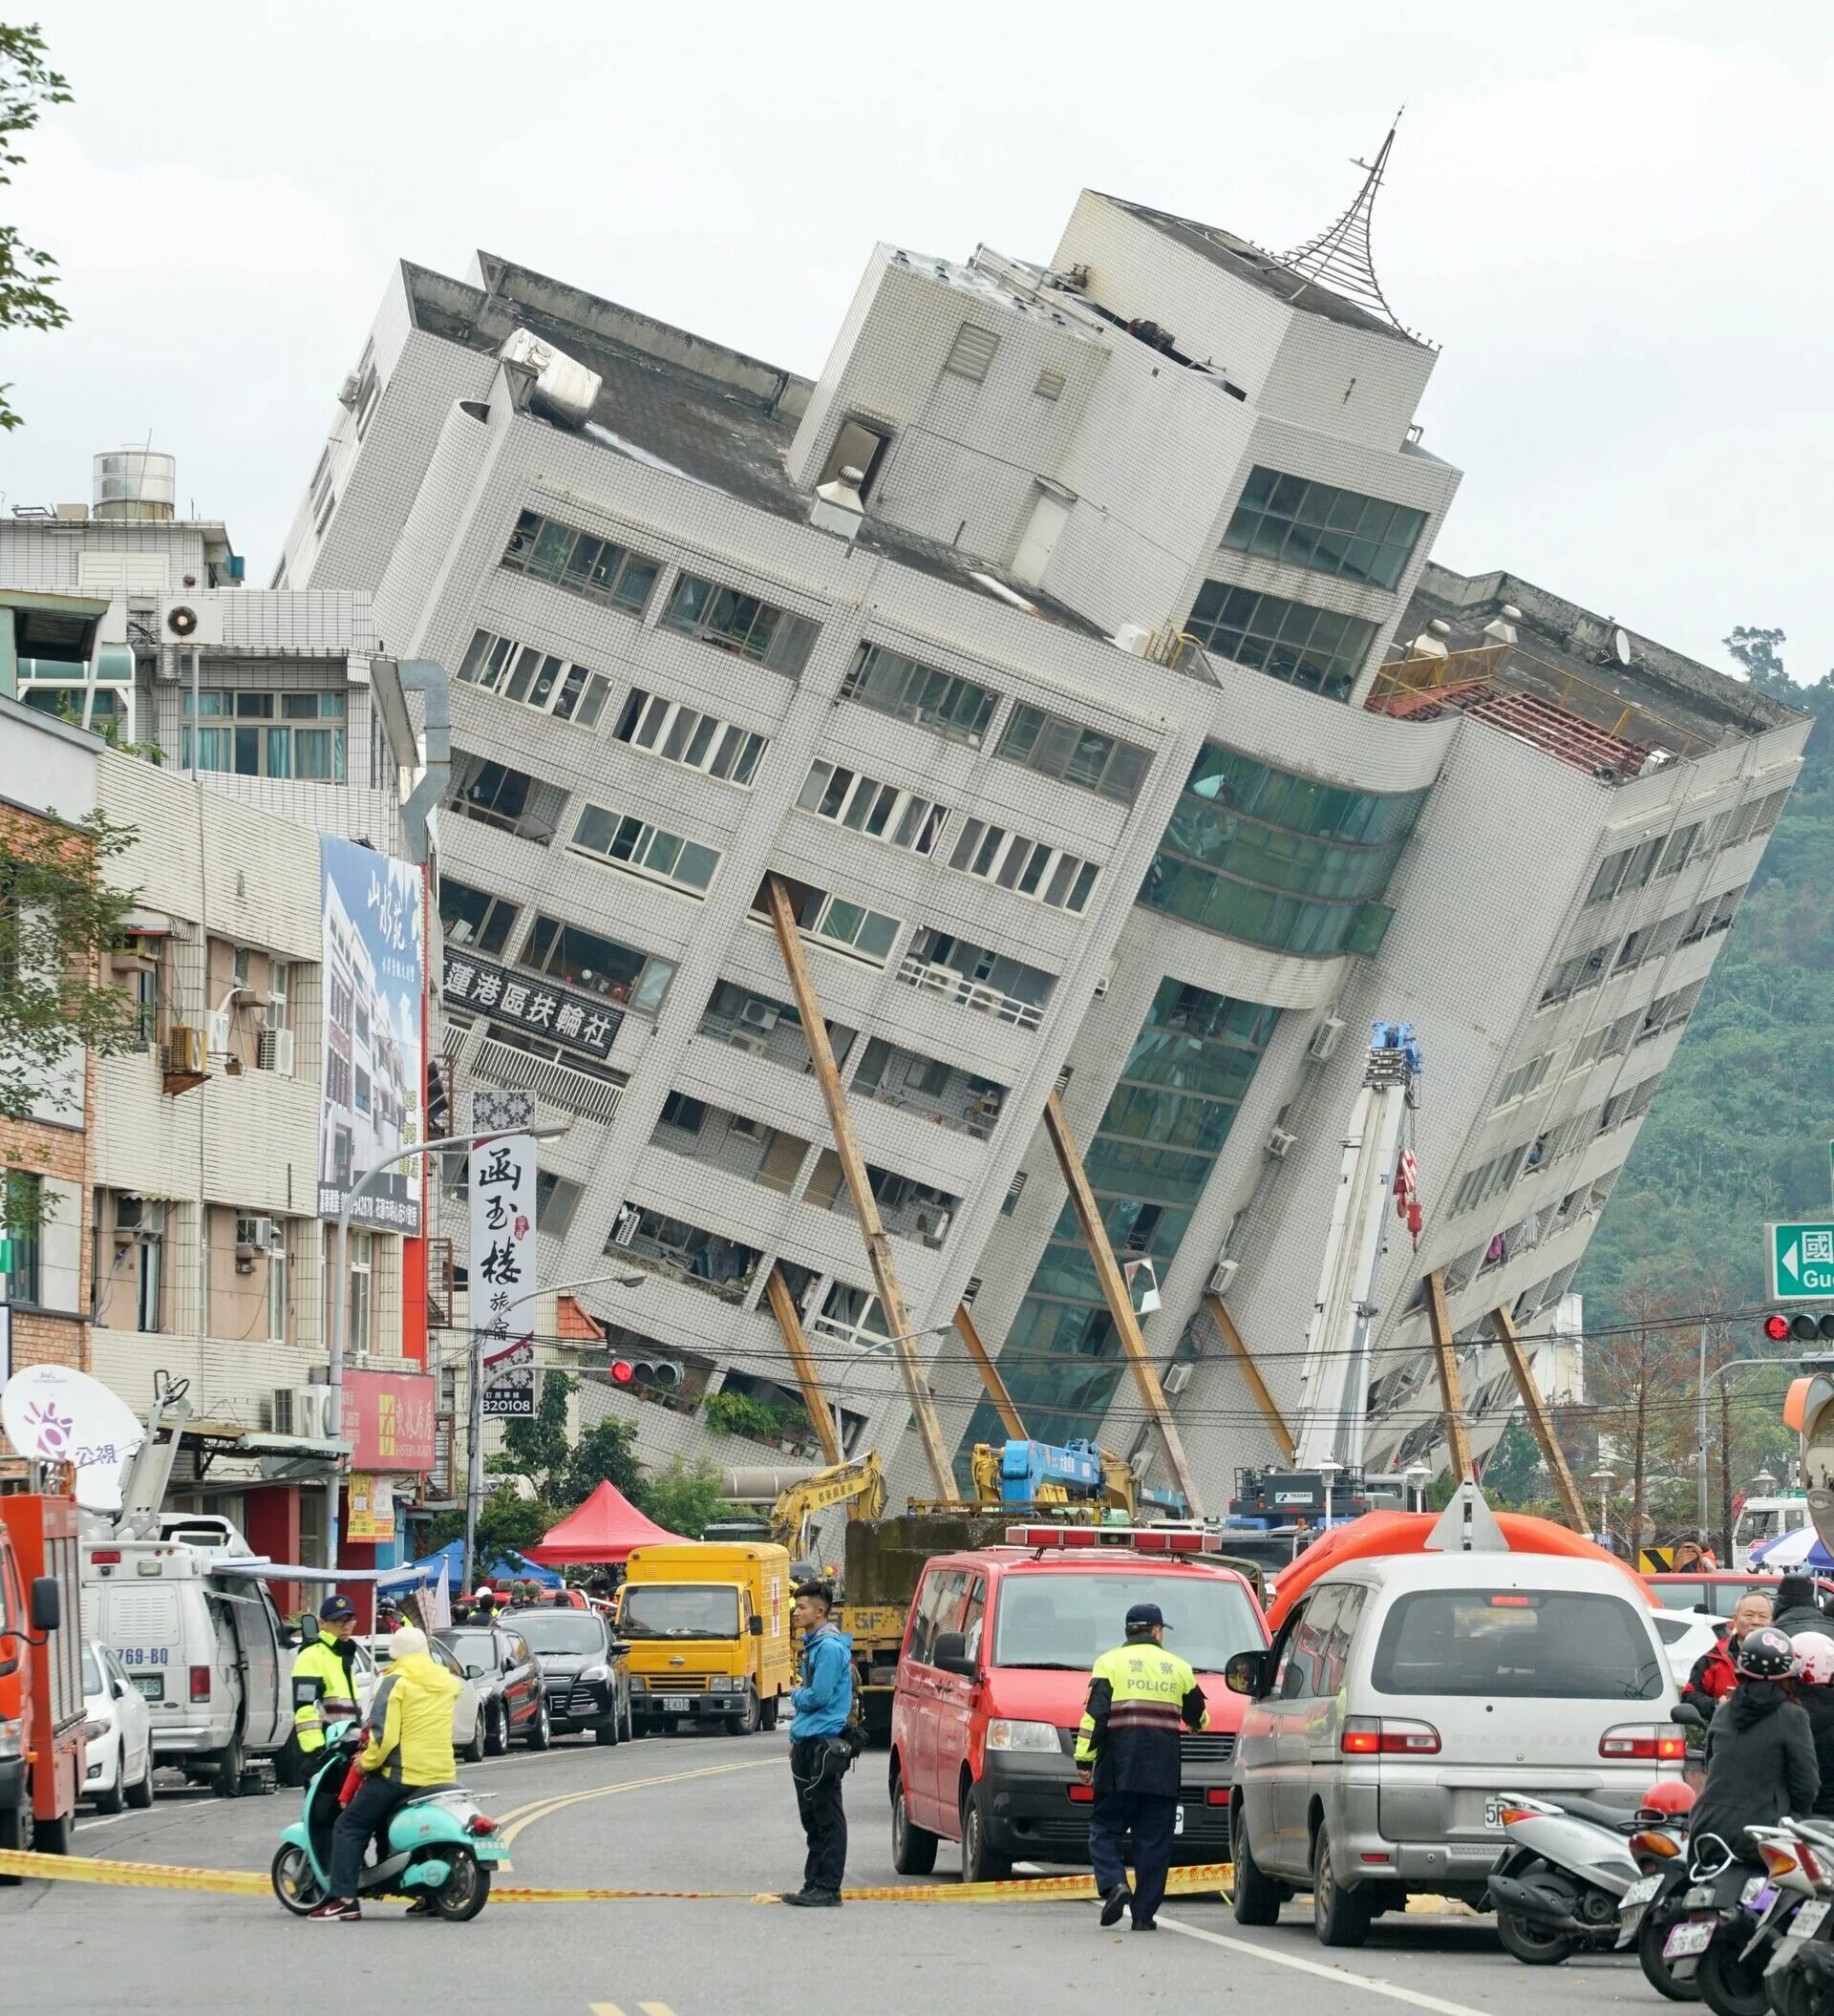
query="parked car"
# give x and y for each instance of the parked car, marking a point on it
(118, 1737)
(1405, 1695)
(508, 1682)
(1685, 1634)
(372, 1656)
(586, 1672)
(1717, 1593)
(991, 1680)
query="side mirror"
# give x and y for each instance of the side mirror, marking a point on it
(1688, 1716)
(620, 1648)
(950, 1652)
(757, 1625)
(1242, 1675)
(47, 1603)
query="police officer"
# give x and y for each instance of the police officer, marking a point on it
(1141, 1696)
(323, 1688)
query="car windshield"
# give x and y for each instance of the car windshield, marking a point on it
(560, 1631)
(678, 1610)
(476, 1652)
(92, 1673)
(1070, 1620)
(1516, 1645)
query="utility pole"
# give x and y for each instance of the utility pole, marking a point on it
(1725, 1477)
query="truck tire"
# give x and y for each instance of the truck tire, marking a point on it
(980, 1864)
(225, 1780)
(1339, 1916)
(913, 1848)
(52, 1837)
(16, 1834)
(767, 1715)
(746, 1722)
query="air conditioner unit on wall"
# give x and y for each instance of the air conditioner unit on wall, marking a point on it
(194, 616)
(186, 1051)
(743, 1039)
(276, 1051)
(258, 1235)
(217, 1030)
(1220, 1276)
(760, 1014)
(1177, 1378)
(1324, 1038)
(1280, 1142)
(299, 1410)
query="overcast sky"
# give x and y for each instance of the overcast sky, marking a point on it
(1616, 218)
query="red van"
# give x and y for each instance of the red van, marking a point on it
(993, 1676)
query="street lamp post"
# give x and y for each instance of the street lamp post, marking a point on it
(334, 1317)
(1328, 1469)
(1415, 1477)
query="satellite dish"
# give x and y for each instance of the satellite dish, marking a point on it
(65, 1416)
(1621, 645)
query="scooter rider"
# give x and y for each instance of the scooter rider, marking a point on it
(324, 1690)
(1760, 1752)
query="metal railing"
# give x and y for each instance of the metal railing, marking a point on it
(973, 994)
(576, 1092)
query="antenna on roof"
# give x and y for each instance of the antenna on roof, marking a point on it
(1339, 257)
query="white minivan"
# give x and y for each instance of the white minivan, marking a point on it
(1405, 1695)
(202, 1648)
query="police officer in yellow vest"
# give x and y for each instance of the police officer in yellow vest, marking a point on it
(323, 1688)
(1141, 1698)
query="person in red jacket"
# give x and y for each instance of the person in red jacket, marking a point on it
(1714, 1676)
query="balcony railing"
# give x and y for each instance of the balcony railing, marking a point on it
(575, 1091)
(973, 994)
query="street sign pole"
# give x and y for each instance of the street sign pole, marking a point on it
(1800, 1260)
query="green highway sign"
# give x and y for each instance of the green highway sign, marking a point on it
(1802, 1262)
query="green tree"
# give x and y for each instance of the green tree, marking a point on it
(538, 1448)
(58, 920)
(28, 84)
(505, 1521)
(683, 1499)
(605, 1454)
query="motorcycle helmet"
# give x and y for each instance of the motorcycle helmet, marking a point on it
(1814, 1657)
(1765, 1654)
(1670, 1795)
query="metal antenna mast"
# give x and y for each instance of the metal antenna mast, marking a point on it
(1339, 257)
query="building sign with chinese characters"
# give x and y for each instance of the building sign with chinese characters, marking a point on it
(371, 1071)
(387, 1418)
(503, 1251)
(576, 1020)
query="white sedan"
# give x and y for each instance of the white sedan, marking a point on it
(468, 1727)
(117, 1740)
(1685, 1634)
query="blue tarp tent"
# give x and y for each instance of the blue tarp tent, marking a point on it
(500, 1566)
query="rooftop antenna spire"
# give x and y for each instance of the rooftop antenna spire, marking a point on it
(1339, 257)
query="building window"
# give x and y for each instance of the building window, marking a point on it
(1306, 524)
(972, 353)
(22, 1218)
(1713, 916)
(534, 678)
(892, 684)
(837, 922)
(689, 1115)
(472, 917)
(886, 811)
(324, 494)
(1577, 974)
(1278, 858)
(731, 621)
(137, 1257)
(1078, 755)
(683, 734)
(1629, 868)
(556, 1200)
(496, 796)
(1525, 1079)
(280, 990)
(269, 735)
(599, 966)
(277, 1297)
(597, 568)
(1315, 649)
(362, 1273)
(632, 843)
(1028, 868)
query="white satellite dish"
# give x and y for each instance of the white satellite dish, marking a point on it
(1621, 645)
(64, 1417)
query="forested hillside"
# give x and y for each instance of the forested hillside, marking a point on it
(1740, 1131)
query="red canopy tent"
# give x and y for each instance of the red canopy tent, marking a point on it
(603, 1529)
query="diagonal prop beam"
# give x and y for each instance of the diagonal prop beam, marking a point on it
(1250, 1371)
(790, 1322)
(989, 1375)
(1451, 1399)
(1571, 1504)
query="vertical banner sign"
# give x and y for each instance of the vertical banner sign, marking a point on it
(375, 984)
(503, 1251)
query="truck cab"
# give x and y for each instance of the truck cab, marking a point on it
(41, 1676)
(708, 1624)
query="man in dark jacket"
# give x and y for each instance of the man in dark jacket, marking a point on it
(1760, 1752)
(1797, 1609)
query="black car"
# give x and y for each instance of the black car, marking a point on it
(583, 1670)
(498, 1658)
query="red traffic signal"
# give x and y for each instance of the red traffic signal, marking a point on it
(1805, 1325)
(1776, 1328)
(623, 1371)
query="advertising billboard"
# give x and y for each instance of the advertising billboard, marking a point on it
(371, 1065)
(502, 1252)
(387, 1420)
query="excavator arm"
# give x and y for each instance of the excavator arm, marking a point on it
(859, 1485)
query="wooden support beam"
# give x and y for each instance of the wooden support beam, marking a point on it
(990, 1374)
(1120, 1303)
(1251, 1372)
(783, 1307)
(1451, 1400)
(866, 1206)
(1572, 1506)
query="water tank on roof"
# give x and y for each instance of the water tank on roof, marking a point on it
(565, 389)
(137, 482)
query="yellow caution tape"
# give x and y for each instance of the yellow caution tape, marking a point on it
(250, 1882)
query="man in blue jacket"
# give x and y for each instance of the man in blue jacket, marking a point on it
(819, 1758)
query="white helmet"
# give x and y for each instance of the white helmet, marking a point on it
(1814, 1657)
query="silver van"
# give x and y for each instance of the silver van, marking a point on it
(1404, 1694)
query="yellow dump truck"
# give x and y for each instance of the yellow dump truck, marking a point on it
(707, 1623)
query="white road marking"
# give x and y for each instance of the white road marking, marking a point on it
(1341, 1975)
(113, 1821)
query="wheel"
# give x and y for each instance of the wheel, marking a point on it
(1258, 1897)
(745, 1723)
(1729, 1986)
(496, 1728)
(17, 1833)
(767, 1714)
(980, 1864)
(608, 1730)
(913, 1848)
(297, 1888)
(540, 1732)
(473, 1752)
(140, 1796)
(1651, 1935)
(467, 1890)
(114, 1798)
(1339, 1916)
(1530, 1944)
(225, 1780)
(630, 1721)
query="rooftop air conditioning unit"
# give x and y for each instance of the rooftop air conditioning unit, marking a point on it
(1220, 1276)
(191, 616)
(1324, 1038)
(276, 1051)
(1280, 1143)
(743, 1039)
(1136, 639)
(1177, 1377)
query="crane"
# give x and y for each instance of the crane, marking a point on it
(1333, 1411)
(859, 1485)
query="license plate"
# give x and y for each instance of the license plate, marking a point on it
(1692, 1937)
(151, 1685)
(1808, 1921)
(1493, 1810)
(1177, 1821)
(678, 1704)
(1639, 1894)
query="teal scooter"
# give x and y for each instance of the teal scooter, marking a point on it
(441, 1844)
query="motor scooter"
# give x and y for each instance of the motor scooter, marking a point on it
(439, 1844)
(1559, 1886)
(1799, 1857)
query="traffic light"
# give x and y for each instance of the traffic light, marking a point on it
(663, 1373)
(1803, 1327)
